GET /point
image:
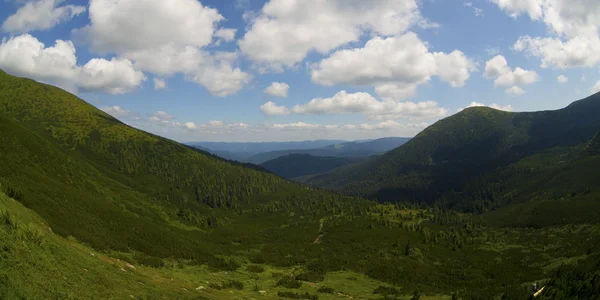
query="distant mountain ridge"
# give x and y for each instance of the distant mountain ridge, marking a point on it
(256, 147)
(346, 149)
(296, 165)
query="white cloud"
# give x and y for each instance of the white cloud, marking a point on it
(161, 116)
(573, 24)
(562, 79)
(517, 7)
(226, 34)
(173, 42)
(272, 109)
(119, 26)
(497, 67)
(596, 87)
(221, 78)
(516, 77)
(286, 31)
(115, 76)
(515, 91)
(190, 125)
(394, 65)
(40, 15)
(25, 56)
(277, 89)
(580, 51)
(120, 113)
(345, 103)
(159, 84)
(494, 106)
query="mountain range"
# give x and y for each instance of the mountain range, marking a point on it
(258, 153)
(479, 205)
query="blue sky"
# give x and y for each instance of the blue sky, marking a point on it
(278, 70)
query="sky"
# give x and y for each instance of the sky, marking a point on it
(291, 70)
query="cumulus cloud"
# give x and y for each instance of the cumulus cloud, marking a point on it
(518, 76)
(190, 125)
(120, 113)
(515, 91)
(118, 26)
(497, 68)
(159, 84)
(277, 89)
(346, 103)
(272, 109)
(394, 65)
(115, 76)
(494, 106)
(25, 56)
(562, 79)
(40, 15)
(596, 87)
(284, 32)
(574, 25)
(161, 116)
(226, 34)
(174, 42)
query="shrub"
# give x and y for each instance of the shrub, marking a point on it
(325, 290)
(386, 290)
(255, 269)
(292, 295)
(289, 282)
(214, 285)
(8, 220)
(312, 276)
(147, 260)
(228, 264)
(10, 190)
(34, 235)
(238, 285)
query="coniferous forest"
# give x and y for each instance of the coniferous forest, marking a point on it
(480, 205)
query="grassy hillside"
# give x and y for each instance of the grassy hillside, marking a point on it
(185, 219)
(296, 165)
(457, 153)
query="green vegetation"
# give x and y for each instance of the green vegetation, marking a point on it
(461, 161)
(163, 219)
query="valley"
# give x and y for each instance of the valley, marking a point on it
(91, 206)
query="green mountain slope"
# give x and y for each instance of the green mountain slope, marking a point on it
(90, 176)
(454, 152)
(187, 219)
(295, 165)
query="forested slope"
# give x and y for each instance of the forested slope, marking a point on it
(455, 152)
(188, 219)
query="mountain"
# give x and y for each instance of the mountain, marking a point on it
(347, 149)
(296, 165)
(256, 147)
(456, 153)
(90, 206)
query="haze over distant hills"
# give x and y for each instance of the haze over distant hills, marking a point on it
(258, 153)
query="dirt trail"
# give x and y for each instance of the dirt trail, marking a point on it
(318, 239)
